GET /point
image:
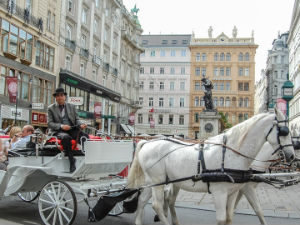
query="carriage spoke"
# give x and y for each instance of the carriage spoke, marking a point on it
(54, 192)
(68, 209)
(63, 195)
(43, 200)
(54, 217)
(60, 218)
(50, 214)
(63, 213)
(64, 202)
(49, 195)
(45, 209)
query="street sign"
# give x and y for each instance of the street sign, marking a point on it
(76, 100)
(37, 105)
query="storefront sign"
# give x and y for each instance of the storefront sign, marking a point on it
(13, 113)
(37, 105)
(71, 81)
(39, 118)
(12, 87)
(97, 110)
(281, 105)
(75, 100)
(131, 118)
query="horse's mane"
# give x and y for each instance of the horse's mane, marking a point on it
(241, 130)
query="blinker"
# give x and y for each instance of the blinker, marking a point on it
(283, 131)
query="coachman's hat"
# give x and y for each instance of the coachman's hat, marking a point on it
(59, 90)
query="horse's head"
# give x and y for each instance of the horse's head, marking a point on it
(280, 138)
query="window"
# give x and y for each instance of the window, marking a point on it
(84, 16)
(276, 74)
(164, 42)
(197, 71)
(241, 71)
(141, 85)
(246, 71)
(215, 102)
(222, 56)
(216, 71)
(240, 117)
(197, 57)
(247, 58)
(240, 86)
(182, 86)
(234, 101)
(150, 117)
(181, 102)
(160, 119)
(216, 85)
(52, 25)
(83, 41)
(171, 102)
(182, 71)
(69, 32)
(203, 72)
(172, 84)
(68, 62)
(97, 3)
(196, 134)
(140, 118)
(227, 86)
(181, 119)
(197, 86)
(82, 69)
(172, 70)
(161, 102)
(222, 71)
(196, 101)
(203, 56)
(172, 52)
(221, 102)
(144, 42)
(161, 85)
(96, 28)
(228, 57)
(162, 53)
(246, 86)
(228, 71)
(241, 101)
(241, 57)
(142, 70)
(70, 5)
(44, 55)
(216, 57)
(151, 85)
(227, 102)
(174, 42)
(246, 116)
(282, 59)
(222, 86)
(183, 53)
(196, 117)
(184, 42)
(246, 102)
(152, 53)
(28, 5)
(162, 70)
(141, 101)
(151, 70)
(48, 20)
(171, 119)
(202, 103)
(150, 101)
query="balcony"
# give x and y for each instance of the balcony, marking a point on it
(70, 44)
(106, 67)
(84, 52)
(135, 104)
(130, 40)
(97, 60)
(115, 71)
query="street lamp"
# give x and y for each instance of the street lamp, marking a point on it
(287, 93)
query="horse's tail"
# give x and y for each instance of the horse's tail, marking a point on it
(136, 175)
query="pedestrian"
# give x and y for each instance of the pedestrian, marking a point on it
(3, 156)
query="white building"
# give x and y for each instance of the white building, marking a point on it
(294, 64)
(164, 85)
(260, 97)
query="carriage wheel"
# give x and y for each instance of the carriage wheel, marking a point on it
(28, 196)
(117, 210)
(57, 204)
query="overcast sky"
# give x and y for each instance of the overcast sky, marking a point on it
(265, 17)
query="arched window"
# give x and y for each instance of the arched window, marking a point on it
(228, 57)
(216, 57)
(222, 56)
(222, 102)
(227, 103)
(215, 101)
(241, 101)
(241, 57)
(196, 101)
(202, 103)
(247, 56)
(246, 102)
(233, 101)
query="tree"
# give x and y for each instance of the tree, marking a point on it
(224, 122)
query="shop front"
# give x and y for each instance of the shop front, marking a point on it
(10, 114)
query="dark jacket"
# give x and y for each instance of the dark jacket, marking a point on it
(55, 118)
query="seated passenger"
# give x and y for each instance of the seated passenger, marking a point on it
(27, 131)
(3, 156)
(14, 135)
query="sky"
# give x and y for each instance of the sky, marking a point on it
(265, 17)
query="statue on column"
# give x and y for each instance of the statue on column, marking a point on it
(208, 85)
(234, 32)
(210, 30)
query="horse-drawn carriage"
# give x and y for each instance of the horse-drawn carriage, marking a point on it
(40, 171)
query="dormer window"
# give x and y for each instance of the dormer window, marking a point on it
(174, 42)
(164, 42)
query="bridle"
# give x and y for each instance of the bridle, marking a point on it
(282, 131)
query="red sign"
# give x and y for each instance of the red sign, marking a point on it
(152, 124)
(281, 105)
(97, 110)
(131, 118)
(39, 118)
(12, 87)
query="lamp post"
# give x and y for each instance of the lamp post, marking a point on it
(287, 93)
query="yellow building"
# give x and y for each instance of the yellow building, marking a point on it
(229, 62)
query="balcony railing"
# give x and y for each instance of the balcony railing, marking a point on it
(84, 52)
(13, 9)
(97, 60)
(70, 44)
(106, 67)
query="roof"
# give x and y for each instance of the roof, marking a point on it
(163, 40)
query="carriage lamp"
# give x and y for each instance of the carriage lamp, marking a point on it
(287, 93)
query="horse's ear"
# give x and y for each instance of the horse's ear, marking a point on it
(276, 110)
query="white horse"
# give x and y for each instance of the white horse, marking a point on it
(157, 161)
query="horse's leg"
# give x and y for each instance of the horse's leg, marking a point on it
(172, 200)
(250, 192)
(143, 200)
(220, 199)
(230, 206)
(158, 199)
(238, 198)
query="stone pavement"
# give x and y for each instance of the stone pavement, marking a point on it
(274, 202)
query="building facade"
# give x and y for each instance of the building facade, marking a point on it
(164, 85)
(294, 64)
(260, 98)
(99, 59)
(28, 51)
(277, 68)
(229, 62)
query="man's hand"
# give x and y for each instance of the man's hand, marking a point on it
(65, 127)
(83, 126)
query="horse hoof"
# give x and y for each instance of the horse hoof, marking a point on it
(156, 218)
